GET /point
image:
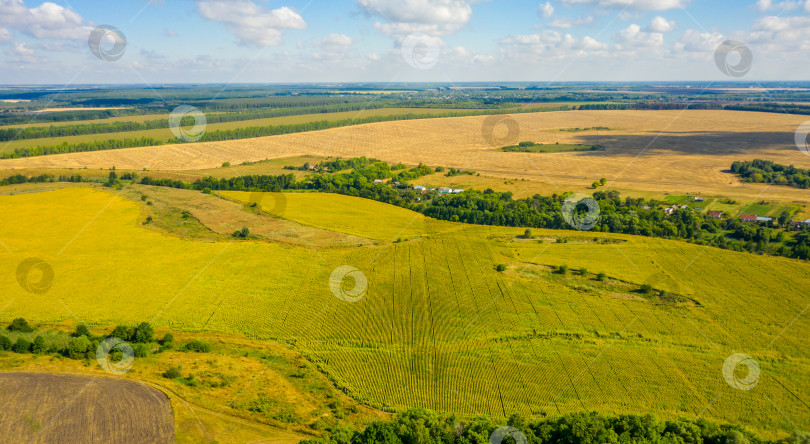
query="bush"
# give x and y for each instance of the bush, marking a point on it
(5, 343)
(196, 346)
(78, 347)
(527, 234)
(226, 164)
(439, 169)
(21, 346)
(500, 267)
(601, 276)
(141, 350)
(168, 340)
(123, 332)
(38, 346)
(562, 269)
(143, 333)
(646, 289)
(171, 373)
(82, 330)
(582, 271)
(20, 325)
(241, 234)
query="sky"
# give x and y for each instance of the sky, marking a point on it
(282, 41)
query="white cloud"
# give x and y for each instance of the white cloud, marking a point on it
(807, 6)
(786, 5)
(432, 17)
(170, 33)
(5, 34)
(567, 23)
(660, 24)
(694, 41)
(46, 21)
(546, 10)
(250, 23)
(336, 43)
(643, 5)
(549, 45)
(633, 37)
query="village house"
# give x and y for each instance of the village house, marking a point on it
(748, 218)
(699, 199)
(715, 214)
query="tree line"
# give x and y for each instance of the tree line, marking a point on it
(419, 425)
(766, 171)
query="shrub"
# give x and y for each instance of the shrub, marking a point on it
(38, 346)
(82, 330)
(171, 373)
(601, 276)
(582, 271)
(646, 289)
(196, 346)
(439, 169)
(243, 233)
(21, 346)
(500, 267)
(141, 350)
(77, 347)
(143, 333)
(20, 325)
(5, 343)
(123, 332)
(168, 340)
(527, 234)
(562, 269)
(226, 164)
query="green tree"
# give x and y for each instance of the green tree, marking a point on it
(82, 330)
(646, 288)
(500, 267)
(379, 433)
(168, 339)
(123, 332)
(602, 181)
(601, 276)
(38, 346)
(562, 269)
(20, 325)
(5, 343)
(21, 346)
(144, 333)
(77, 347)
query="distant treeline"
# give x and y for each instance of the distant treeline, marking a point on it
(766, 171)
(785, 108)
(101, 145)
(424, 426)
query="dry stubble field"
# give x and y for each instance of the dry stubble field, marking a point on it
(651, 151)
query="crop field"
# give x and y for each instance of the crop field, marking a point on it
(438, 326)
(649, 152)
(41, 408)
(165, 134)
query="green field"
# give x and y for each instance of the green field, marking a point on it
(438, 327)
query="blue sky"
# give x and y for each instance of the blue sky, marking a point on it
(190, 41)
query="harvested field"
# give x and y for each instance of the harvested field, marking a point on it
(651, 151)
(42, 407)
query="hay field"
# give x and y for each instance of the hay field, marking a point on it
(438, 327)
(165, 134)
(41, 408)
(647, 151)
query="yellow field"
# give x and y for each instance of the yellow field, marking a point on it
(650, 152)
(353, 215)
(438, 326)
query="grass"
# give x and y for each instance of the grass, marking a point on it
(439, 327)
